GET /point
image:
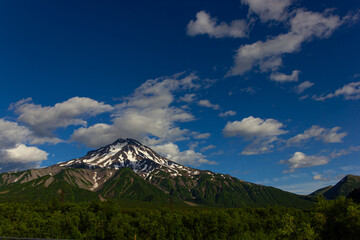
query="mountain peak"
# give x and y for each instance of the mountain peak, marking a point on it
(126, 153)
(342, 188)
(127, 140)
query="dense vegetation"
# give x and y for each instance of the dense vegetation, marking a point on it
(210, 189)
(334, 219)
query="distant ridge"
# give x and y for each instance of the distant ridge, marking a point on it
(321, 191)
(342, 188)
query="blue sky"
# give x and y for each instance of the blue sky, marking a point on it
(266, 91)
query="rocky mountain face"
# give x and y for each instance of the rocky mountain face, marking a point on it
(126, 169)
(128, 153)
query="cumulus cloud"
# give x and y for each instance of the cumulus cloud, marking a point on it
(251, 127)
(227, 114)
(282, 78)
(14, 154)
(11, 134)
(350, 91)
(149, 116)
(269, 9)
(261, 133)
(97, 135)
(303, 86)
(20, 157)
(23, 154)
(147, 113)
(321, 134)
(44, 120)
(189, 157)
(304, 26)
(205, 24)
(188, 98)
(208, 104)
(300, 160)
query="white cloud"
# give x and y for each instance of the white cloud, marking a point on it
(21, 157)
(193, 145)
(201, 135)
(11, 134)
(14, 154)
(350, 91)
(249, 90)
(304, 26)
(251, 127)
(147, 115)
(188, 98)
(104, 133)
(269, 9)
(227, 114)
(317, 177)
(208, 104)
(318, 133)
(261, 133)
(189, 157)
(44, 120)
(282, 78)
(260, 145)
(321, 177)
(303, 86)
(138, 124)
(300, 160)
(208, 147)
(343, 152)
(22, 153)
(205, 24)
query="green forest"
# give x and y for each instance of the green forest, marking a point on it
(328, 219)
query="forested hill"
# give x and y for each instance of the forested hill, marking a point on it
(342, 188)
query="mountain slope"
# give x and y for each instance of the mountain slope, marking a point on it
(320, 191)
(44, 188)
(214, 189)
(72, 185)
(127, 185)
(343, 187)
(126, 169)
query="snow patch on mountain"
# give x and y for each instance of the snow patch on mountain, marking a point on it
(132, 154)
(96, 184)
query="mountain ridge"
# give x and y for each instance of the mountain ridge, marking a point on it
(346, 185)
(126, 169)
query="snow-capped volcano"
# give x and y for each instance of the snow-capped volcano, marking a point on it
(127, 153)
(126, 169)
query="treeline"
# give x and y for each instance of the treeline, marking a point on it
(336, 219)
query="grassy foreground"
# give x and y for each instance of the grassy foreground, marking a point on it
(335, 219)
